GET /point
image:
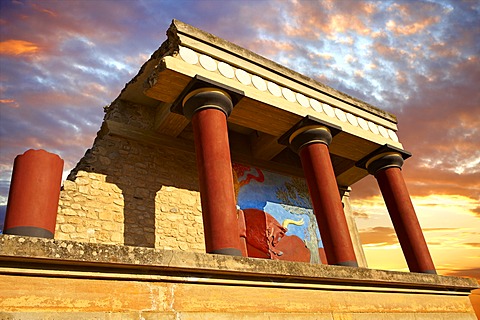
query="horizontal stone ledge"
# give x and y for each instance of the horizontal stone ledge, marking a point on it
(28, 253)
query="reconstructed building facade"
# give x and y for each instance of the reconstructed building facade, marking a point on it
(214, 149)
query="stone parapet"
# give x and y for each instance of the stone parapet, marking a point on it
(66, 279)
(65, 254)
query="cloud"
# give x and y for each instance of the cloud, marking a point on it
(439, 229)
(437, 126)
(470, 273)
(71, 61)
(17, 47)
(476, 211)
(360, 214)
(412, 18)
(380, 236)
(473, 244)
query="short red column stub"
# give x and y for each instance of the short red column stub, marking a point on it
(34, 193)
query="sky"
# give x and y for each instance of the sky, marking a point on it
(61, 62)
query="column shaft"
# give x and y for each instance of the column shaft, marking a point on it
(404, 219)
(216, 182)
(327, 205)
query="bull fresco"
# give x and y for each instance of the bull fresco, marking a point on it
(279, 219)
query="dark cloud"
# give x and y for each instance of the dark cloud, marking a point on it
(476, 211)
(473, 244)
(360, 215)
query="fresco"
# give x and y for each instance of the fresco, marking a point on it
(278, 214)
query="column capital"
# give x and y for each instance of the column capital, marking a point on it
(203, 93)
(309, 134)
(307, 131)
(384, 161)
(386, 156)
(206, 98)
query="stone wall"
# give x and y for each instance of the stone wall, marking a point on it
(126, 192)
(74, 280)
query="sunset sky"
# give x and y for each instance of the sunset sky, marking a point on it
(61, 62)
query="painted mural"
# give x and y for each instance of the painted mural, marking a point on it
(279, 219)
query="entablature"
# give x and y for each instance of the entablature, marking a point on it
(275, 99)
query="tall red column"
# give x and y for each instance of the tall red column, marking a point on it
(209, 108)
(311, 143)
(386, 168)
(34, 192)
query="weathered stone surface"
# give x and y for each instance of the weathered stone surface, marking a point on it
(56, 279)
(201, 298)
(157, 260)
(75, 315)
(141, 196)
(87, 296)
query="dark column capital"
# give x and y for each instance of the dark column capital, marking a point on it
(384, 161)
(307, 131)
(386, 156)
(309, 134)
(203, 93)
(207, 98)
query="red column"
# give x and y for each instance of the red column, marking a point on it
(312, 146)
(34, 192)
(208, 110)
(387, 170)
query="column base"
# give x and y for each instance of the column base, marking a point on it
(351, 263)
(29, 232)
(228, 252)
(428, 271)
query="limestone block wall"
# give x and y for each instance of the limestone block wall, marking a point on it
(127, 192)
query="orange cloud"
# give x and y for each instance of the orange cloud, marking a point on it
(379, 236)
(473, 244)
(10, 102)
(17, 47)
(271, 47)
(413, 18)
(341, 22)
(360, 215)
(413, 28)
(474, 272)
(323, 56)
(312, 20)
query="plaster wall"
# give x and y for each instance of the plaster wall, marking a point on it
(123, 299)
